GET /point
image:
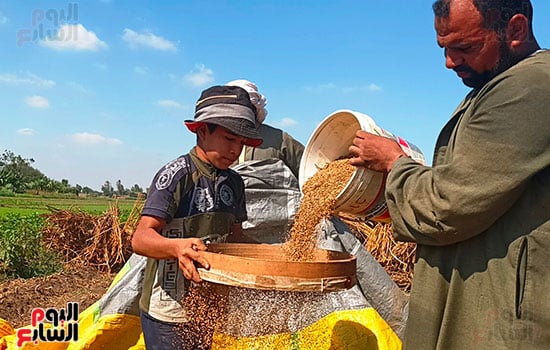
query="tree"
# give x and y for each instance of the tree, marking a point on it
(64, 186)
(87, 190)
(135, 191)
(120, 188)
(17, 172)
(18, 175)
(107, 189)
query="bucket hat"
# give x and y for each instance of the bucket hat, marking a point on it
(230, 107)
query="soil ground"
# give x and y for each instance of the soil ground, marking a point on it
(18, 297)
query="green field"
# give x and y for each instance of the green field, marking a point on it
(29, 204)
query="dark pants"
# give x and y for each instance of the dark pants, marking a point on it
(161, 335)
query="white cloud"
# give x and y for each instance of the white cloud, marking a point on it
(147, 39)
(320, 87)
(37, 102)
(141, 70)
(101, 66)
(286, 122)
(374, 87)
(93, 139)
(76, 86)
(27, 79)
(74, 37)
(364, 88)
(169, 104)
(200, 76)
(3, 19)
(26, 132)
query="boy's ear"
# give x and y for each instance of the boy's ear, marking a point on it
(201, 130)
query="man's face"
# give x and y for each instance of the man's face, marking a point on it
(475, 53)
(221, 147)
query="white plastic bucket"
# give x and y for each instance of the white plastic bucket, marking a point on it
(363, 196)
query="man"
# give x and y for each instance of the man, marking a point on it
(277, 144)
(481, 213)
(192, 197)
(270, 174)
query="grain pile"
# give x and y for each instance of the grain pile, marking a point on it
(320, 192)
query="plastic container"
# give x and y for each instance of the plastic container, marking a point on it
(363, 196)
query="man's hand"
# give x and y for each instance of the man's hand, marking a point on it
(237, 235)
(374, 152)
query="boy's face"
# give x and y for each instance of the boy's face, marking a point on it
(220, 148)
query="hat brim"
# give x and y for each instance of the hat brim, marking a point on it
(237, 126)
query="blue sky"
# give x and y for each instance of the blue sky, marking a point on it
(103, 96)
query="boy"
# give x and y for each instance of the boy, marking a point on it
(191, 197)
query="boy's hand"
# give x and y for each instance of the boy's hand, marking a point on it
(187, 252)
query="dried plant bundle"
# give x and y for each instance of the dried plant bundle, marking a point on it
(85, 239)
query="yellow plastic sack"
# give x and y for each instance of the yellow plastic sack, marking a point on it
(350, 329)
(113, 332)
(5, 328)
